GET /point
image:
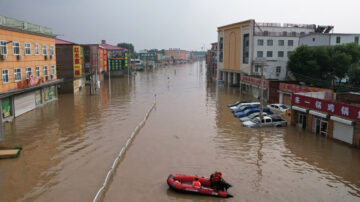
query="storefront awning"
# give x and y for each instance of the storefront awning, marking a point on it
(315, 113)
(299, 109)
(341, 120)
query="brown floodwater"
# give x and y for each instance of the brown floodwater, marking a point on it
(70, 144)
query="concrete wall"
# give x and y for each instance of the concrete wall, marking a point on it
(315, 40)
(344, 39)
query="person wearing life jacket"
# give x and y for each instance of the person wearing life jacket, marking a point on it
(217, 182)
(196, 183)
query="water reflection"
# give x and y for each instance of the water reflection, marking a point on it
(70, 144)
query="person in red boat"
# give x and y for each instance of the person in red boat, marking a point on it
(217, 182)
(196, 183)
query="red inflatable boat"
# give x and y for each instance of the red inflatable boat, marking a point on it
(183, 183)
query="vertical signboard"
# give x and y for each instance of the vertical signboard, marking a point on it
(6, 107)
(77, 56)
(126, 59)
(105, 60)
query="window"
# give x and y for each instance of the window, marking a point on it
(269, 42)
(37, 71)
(284, 33)
(16, 48)
(313, 39)
(36, 49)
(293, 33)
(338, 39)
(266, 33)
(257, 68)
(28, 72)
(289, 53)
(259, 54)
(44, 49)
(281, 54)
(260, 42)
(290, 42)
(46, 71)
(246, 49)
(52, 70)
(5, 76)
(302, 33)
(221, 54)
(278, 69)
(269, 54)
(51, 50)
(17, 74)
(356, 39)
(281, 42)
(3, 48)
(27, 48)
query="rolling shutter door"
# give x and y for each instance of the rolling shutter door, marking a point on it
(24, 103)
(343, 132)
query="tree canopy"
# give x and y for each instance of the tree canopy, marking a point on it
(128, 46)
(328, 63)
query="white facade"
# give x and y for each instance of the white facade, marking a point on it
(318, 39)
(275, 42)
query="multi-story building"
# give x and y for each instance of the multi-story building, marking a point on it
(328, 39)
(70, 66)
(245, 46)
(176, 55)
(211, 60)
(28, 67)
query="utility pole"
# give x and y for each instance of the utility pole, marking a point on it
(261, 93)
(109, 70)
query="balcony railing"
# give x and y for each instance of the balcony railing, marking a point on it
(19, 24)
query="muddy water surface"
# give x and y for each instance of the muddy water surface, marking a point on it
(69, 145)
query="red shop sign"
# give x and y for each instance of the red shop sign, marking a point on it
(253, 80)
(337, 108)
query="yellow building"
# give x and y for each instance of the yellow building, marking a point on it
(234, 50)
(27, 66)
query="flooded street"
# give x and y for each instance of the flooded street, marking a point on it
(70, 144)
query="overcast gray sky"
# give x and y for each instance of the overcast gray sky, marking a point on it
(186, 24)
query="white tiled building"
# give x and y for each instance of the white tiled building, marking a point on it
(242, 45)
(274, 42)
(328, 39)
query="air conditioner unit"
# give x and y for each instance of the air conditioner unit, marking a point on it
(19, 57)
(4, 57)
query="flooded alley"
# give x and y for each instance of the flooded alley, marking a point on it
(70, 144)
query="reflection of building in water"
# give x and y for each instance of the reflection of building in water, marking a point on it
(326, 156)
(317, 114)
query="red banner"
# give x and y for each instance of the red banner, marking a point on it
(293, 88)
(256, 81)
(336, 108)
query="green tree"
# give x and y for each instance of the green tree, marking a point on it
(354, 73)
(128, 46)
(328, 63)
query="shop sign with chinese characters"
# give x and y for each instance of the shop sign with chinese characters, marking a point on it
(293, 88)
(78, 60)
(256, 81)
(336, 108)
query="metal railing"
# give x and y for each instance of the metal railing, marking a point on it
(19, 24)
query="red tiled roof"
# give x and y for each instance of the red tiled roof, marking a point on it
(111, 47)
(63, 42)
